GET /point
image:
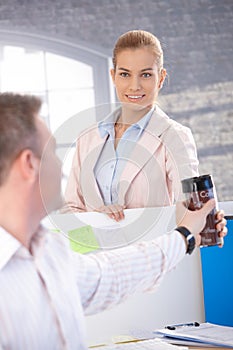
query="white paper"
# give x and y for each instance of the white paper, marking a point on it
(101, 220)
(138, 224)
(205, 333)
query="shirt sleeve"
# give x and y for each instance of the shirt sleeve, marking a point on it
(107, 278)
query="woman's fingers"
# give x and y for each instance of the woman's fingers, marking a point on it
(221, 225)
(114, 211)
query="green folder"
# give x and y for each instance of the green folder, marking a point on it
(83, 240)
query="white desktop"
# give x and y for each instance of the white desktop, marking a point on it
(178, 299)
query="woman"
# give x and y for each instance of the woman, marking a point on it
(137, 156)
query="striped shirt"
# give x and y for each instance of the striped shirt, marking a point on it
(45, 292)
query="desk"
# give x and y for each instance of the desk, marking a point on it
(205, 348)
(189, 347)
(154, 310)
(123, 341)
(150, 310)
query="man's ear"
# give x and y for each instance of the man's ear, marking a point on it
(28, 164)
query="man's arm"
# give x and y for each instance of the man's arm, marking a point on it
(107, 278)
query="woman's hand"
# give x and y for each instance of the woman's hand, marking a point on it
(114, 211)
(221, 225)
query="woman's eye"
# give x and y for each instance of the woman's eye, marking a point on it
(124, 75)
(146, 75)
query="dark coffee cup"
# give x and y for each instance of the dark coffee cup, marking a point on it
(198, 190)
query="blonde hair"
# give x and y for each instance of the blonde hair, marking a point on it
(136, 39)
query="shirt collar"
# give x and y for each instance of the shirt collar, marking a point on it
(10, 246)
(142, 123)
(106, 126)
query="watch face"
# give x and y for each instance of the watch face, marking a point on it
(191, 245)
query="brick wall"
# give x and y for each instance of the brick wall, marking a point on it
(197, 37)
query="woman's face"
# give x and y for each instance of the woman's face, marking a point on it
(136, 77)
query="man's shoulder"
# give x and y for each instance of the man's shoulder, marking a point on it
(56, 239)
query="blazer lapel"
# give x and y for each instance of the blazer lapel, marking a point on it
(96, 145)
(144, 149)
(91, 189)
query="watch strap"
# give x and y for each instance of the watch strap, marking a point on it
(190, 239)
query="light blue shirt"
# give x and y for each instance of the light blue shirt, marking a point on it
(111, 162)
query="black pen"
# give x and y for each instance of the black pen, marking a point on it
(174, 326)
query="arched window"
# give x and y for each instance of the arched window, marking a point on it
(68, 77)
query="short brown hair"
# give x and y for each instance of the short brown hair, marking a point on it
(17, 127)
(136, 39)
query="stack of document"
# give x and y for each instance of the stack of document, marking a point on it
(205, 334)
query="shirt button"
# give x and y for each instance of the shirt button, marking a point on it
(112, 166)
(107, 187)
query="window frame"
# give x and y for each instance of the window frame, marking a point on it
(92, 56)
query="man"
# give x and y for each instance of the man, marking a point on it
(45, 288)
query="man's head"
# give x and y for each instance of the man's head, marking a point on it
(28, 160)
(18, 129)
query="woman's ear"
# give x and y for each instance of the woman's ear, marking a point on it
(163, 74)
(112, 72)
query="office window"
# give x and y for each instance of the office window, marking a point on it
(65, 85)
(68, 78)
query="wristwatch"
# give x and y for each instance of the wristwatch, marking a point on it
(189, 237)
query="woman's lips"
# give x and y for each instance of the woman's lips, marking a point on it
(135, 98)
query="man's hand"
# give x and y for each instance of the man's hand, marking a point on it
(195, 221)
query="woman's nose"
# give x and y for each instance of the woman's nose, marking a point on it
(135, 83)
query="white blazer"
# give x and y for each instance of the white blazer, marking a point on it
(163, 156)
